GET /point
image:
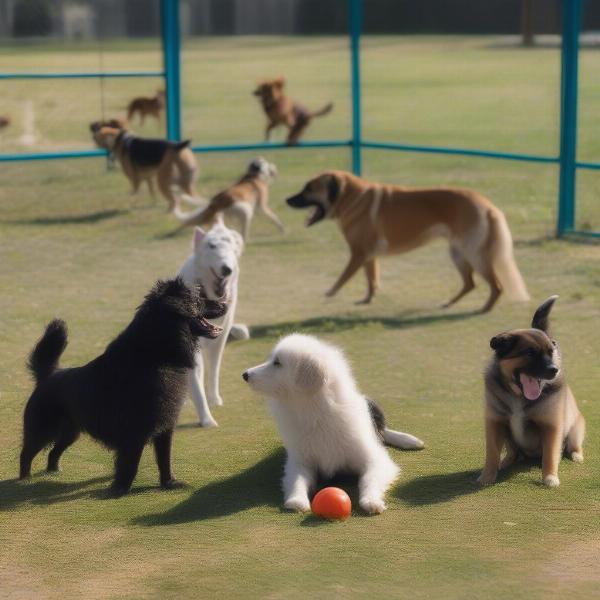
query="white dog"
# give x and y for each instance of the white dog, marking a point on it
(326, 424)
(213, 264)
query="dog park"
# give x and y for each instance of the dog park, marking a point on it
(479, 112)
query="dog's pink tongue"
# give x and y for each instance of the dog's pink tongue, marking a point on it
(531, 387)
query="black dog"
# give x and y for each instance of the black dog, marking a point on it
(128, 396)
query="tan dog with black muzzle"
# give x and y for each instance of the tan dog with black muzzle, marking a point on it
(380, 219)
(529, 408)
(172, 163)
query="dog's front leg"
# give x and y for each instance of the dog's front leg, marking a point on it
(126, 467)
(213, 354)
(494, 442)
(162, 452)
(551, 451)
(356, 261)
(196, 384)
(297, 481)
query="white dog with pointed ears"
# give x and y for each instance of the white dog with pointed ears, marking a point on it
(213, 264)
(326, 424)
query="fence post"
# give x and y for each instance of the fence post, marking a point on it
(355, 7)
(169, 13)
(571, 24)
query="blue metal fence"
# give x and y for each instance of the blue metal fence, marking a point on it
(567, 158)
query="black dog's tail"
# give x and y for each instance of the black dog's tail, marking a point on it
(398, 439)
(43, 360)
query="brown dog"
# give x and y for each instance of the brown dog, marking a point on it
(251, 192)
(528, 405)
(282, 110)
(147, 106)
(381, 219)
(172, 163)
(4, 122)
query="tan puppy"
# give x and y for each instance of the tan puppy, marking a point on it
(282, 110)
(377, 220)
(147, 106)
(172, 163)
(528, 405)
(249, 193)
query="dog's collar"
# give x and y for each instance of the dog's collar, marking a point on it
(125, 138)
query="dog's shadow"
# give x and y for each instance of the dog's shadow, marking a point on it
(42, 489)
(259, 485)
(330, 323)
(94, 217)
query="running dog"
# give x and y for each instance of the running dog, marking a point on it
(128, 396)
(326, 424)
(528, 405)
(282, 110)
(241, 200)
(172, 163)
(213, 265)
(147, 106)
(378, 220)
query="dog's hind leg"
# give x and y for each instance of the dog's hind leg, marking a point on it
(68, 435)
(375, 481)
(495, 289)
(126, 467)
(39, 430)
(162, 452)
(357, 260)
(196, 383)
(575, 440)
(466, 272)
(372, 273)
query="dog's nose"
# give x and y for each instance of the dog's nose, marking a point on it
(226, 271)
(245, 375)
(552, 371)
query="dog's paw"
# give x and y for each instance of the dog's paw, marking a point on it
(172, 484)
(208, 423)
(116, 491)
(551, 481)
(374, 506)
(577, 457)
(215, 401)
(486, 478)
(297, 504)
(330, 293)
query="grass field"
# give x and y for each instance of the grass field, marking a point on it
(71, 245)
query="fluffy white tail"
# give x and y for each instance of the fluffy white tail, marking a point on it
(404, 441)
(239, 331)
(503, 260)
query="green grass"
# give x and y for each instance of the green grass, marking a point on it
(72, 246)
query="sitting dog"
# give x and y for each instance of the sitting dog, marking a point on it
(127, 397)
(147, 106)
(377, 220)
(213, 265)
(172, 163)
(326, 424)
(528, 405)
(240, 201)
(282, 110)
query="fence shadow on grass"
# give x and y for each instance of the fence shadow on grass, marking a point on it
(44, 490)
(329, 324)
(95, 217)
(259, 485)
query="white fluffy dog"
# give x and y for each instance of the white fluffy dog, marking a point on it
(213, 264)
(326, 424)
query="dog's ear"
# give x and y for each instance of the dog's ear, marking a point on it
(199, 234)
(333, 188)
(503, 343)
(279, 81)
(541, 317)
(310, 375)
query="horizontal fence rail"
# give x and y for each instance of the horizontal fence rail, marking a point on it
(114, 74)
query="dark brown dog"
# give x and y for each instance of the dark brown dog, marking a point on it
(147, 106)
(282, 110)
(528, 405)
(4, 122)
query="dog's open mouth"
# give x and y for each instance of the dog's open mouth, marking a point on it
(317, 213)
(530, 386)
(208, 330)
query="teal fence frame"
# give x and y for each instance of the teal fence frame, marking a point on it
(171, 43)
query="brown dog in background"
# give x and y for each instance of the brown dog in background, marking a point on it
(147, 106)
(378, 219)
(4, 122)
(282, 110)
(528, 405)
(172, 163)
(241, 200)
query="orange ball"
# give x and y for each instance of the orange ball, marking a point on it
(332, 503)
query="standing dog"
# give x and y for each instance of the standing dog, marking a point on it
(282, 110)
(213, 265)
(241, 200)
(377, 220)
(172, 163)
(528, 404)
(147, 106)
(326, 424)
(127, 397)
